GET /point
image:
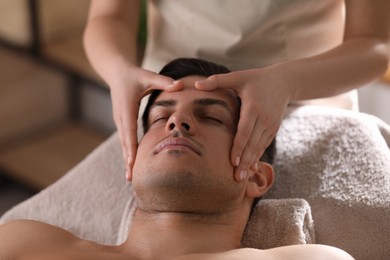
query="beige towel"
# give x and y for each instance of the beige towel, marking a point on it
(339, 161)
(88, 201)
(272, 223)
(279, 222)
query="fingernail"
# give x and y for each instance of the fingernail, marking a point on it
(253, 167)
(237, 161)
(174, 84)
(128, 160)
(242, 174)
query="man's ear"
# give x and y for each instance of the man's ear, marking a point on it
(260, 180)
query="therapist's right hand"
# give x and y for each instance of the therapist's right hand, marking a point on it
(127, 90)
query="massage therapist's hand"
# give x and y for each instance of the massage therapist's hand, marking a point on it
(264, 99)
(127, 90)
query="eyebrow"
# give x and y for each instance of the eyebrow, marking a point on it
(199, 101)
(212, 101)
(164, 103)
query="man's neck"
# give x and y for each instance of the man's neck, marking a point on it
(164, 235)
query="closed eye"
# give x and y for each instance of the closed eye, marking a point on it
(160, 119)
(213, 119)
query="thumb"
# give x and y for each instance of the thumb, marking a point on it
(228, 80)
(164, 83)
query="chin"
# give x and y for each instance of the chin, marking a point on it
(164, 190)
(168, 175)
(182, 189)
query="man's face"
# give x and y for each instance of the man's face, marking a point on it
(183, 160)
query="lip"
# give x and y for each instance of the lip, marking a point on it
(176, 143)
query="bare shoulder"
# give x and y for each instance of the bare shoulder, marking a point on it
(31, 236)
(311, 251)
(296, 252)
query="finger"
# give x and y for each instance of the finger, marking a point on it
(245, 127)
(176, 86)
(229, 80)
(132, 156)
(118, 125)
(263, 141)
(250, 147)
(129, 126)
(122, 143)
(133, 146)
(155, 81)
(255, 166)
(263, 148)
(257, 153)
(266, 144)
(259, 144)
(126, 143)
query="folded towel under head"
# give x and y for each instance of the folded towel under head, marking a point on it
(279, 222)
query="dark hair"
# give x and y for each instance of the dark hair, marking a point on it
(183, 67)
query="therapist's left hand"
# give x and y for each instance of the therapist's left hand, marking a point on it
(264, 99)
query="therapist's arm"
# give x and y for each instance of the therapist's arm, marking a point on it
(265, 92)
(110, 37)
(361, 58)
(110, 41)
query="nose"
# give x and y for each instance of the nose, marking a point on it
(180, 122)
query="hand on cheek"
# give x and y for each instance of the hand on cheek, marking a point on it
(263, 104)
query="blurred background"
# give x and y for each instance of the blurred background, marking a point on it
(54, 109)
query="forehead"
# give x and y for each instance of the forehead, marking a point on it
(190, 93)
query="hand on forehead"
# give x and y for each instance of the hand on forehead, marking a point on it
(224, 97)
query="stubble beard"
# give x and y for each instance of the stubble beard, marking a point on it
(180, 189)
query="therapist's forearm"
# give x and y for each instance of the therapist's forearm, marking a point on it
(110, 46)
(352, 64)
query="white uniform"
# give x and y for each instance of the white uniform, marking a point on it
(242, 34)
